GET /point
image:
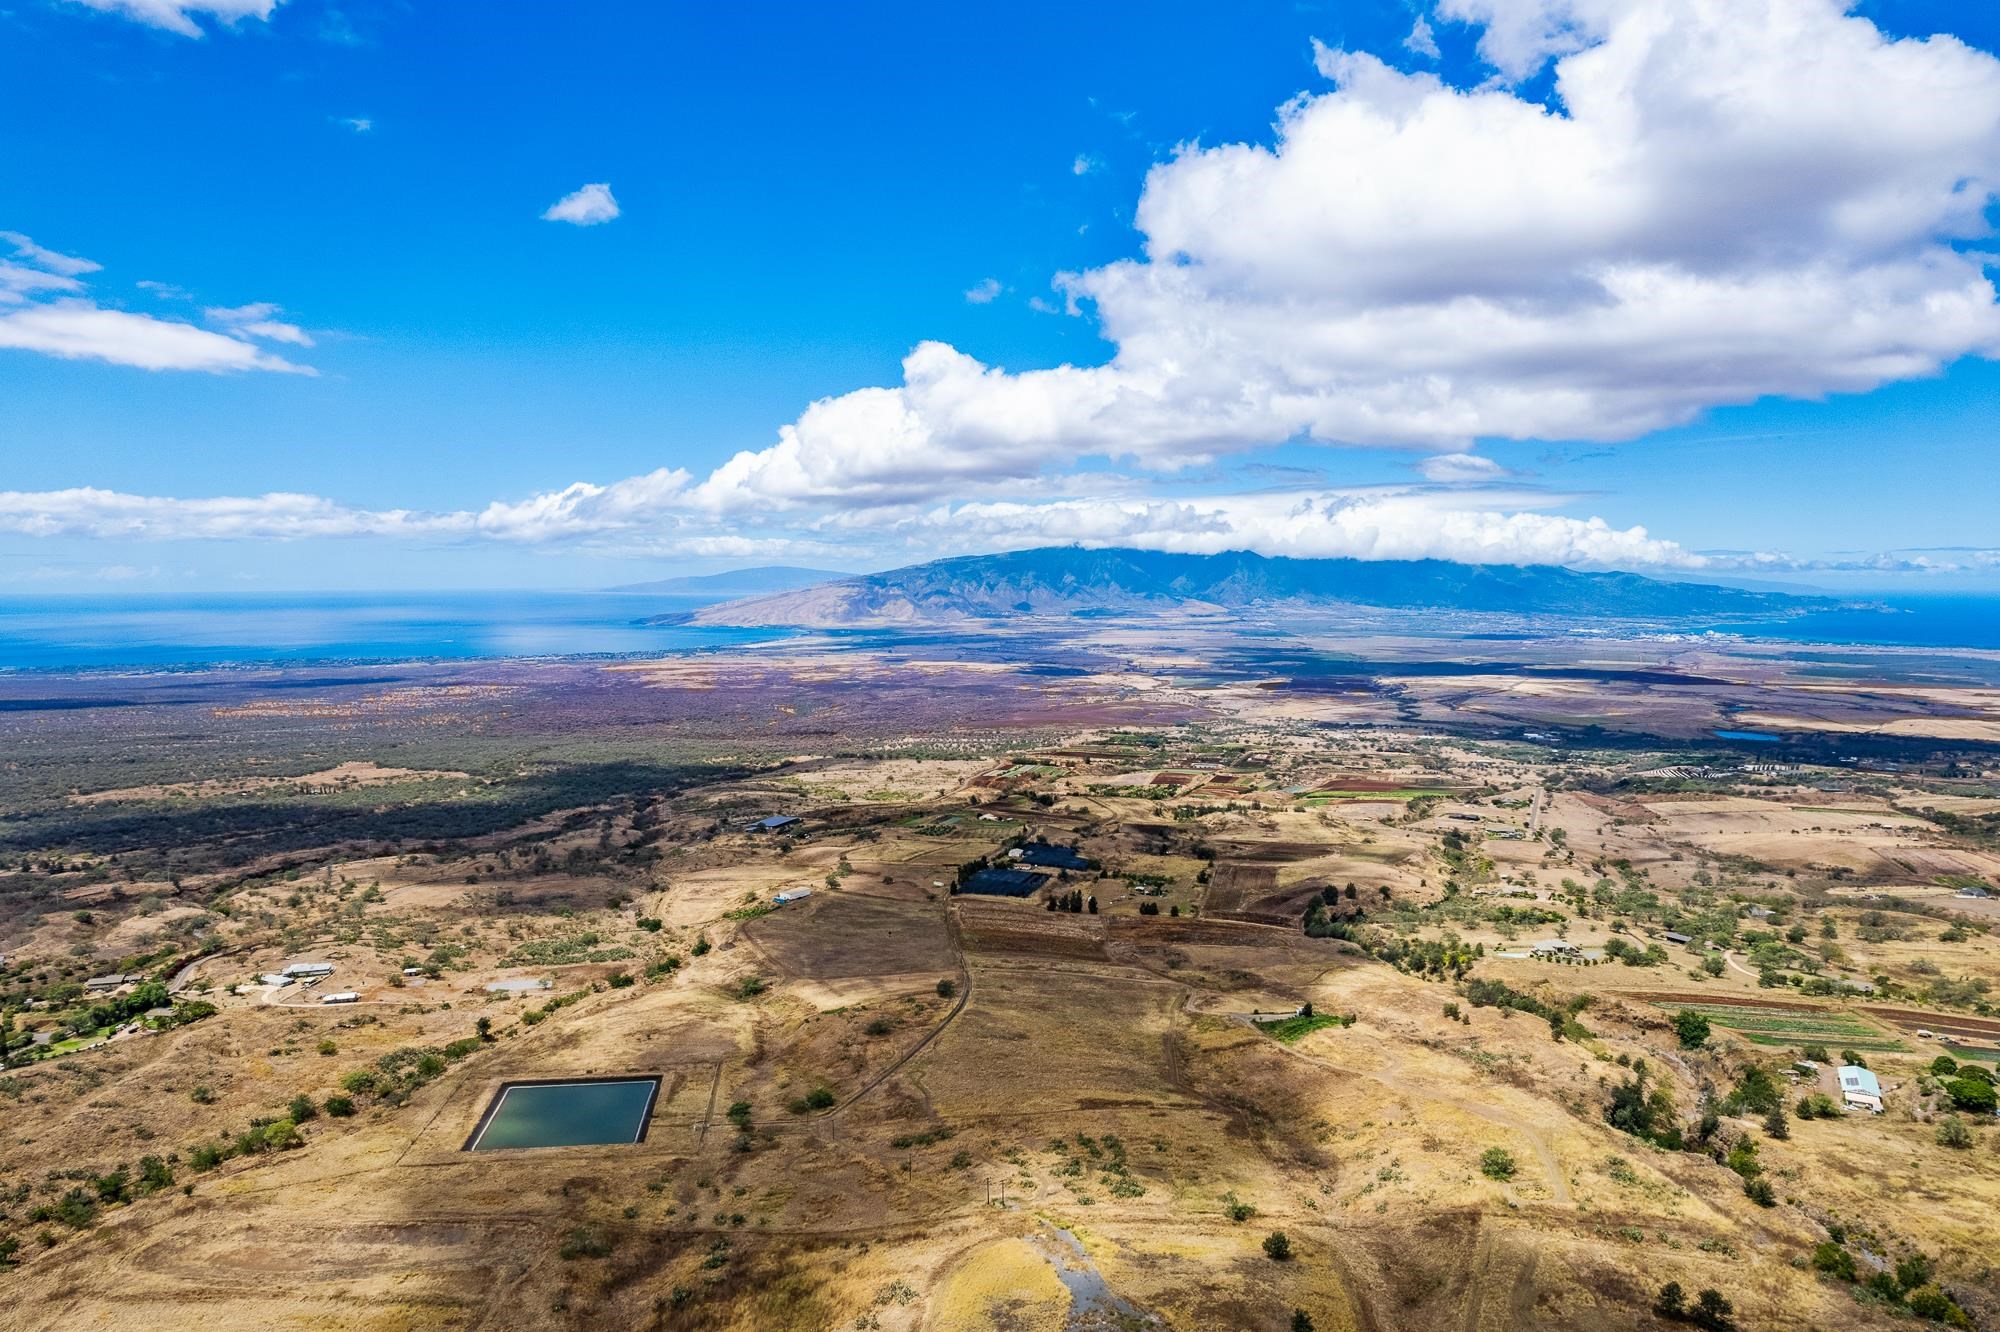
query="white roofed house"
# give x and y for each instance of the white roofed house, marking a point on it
(1859, 1088)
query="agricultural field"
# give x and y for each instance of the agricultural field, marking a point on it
(1794, 1028)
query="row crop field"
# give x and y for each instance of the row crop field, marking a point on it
(1763, 1025)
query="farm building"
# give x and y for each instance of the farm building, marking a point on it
(1859, 1089)
(774, 823)
(102, 984)
(344, 997)
(791, 895)
(1555, 948)
(1675, 936)
(309, 969)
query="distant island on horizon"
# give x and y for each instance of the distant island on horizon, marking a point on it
(1076, 581)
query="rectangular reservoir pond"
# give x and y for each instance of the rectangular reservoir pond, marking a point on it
(576, 1113)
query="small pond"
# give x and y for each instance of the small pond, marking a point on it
(566, 1114)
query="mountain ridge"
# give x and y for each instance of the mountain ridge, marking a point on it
(1075, 581)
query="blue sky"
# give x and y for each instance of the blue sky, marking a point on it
(1407, 323)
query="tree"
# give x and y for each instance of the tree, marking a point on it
(1712, 1311)
(947, 988)
(1952, 1132)
(1775, 1125)
(1305, 1010)
(1971, 1095)
(1671, 1301)
(485, 1028)
(1301, 1321)
(1093, 905)
(302, 1108)
(1692, 1028)
(339, 1107)
(1758, 1190)
(1278, 1247)
(1497, 1163)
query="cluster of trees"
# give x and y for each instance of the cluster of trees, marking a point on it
(1970, 1087)
(1075, 901)
(1709, 1310)
(1910, 1284)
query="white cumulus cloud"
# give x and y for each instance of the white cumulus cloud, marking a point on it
(87, 511)
(45, 307)
(1708, 215)
(1459, 468)
(585, 207)
(256, 320)
(179, 15)
(52, 261)
(983, 292)
(1422, 40)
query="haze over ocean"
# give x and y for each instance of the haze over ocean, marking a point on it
(81, 633)
(67, 633)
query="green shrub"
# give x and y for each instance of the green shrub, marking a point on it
(1278, 1247)
(1497, 1163)
(584, 1242)
(339, 1107)
(1833, 1260)
(1932, 1303)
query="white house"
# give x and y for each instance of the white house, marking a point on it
(1859, 1089)
(344, 997)
(309, 969)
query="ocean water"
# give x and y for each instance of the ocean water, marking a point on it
(1942, 620)
(82, 632)
(45, 633)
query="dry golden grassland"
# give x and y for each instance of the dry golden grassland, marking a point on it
(889, 1105)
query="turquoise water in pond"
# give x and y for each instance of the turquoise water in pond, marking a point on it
(567, 1114)
(1765, 736)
